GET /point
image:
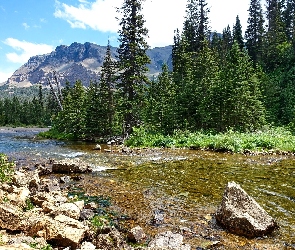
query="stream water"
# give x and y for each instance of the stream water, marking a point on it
(185, 185)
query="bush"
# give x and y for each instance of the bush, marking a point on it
(6, 168)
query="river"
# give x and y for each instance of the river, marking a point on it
(185, 186)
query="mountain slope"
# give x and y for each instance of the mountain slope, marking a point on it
(77, 61)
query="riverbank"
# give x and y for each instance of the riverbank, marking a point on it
(178, 190)
(278, 140)
(22, 129)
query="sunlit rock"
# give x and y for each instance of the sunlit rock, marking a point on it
(168, 240)
(68, 166)
(136, 235)
(242, 215)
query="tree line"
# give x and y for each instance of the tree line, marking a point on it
(28, 111)
(219, 81)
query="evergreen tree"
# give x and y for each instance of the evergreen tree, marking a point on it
(255, 31)
(71, 120)
(196, 25)
(160, 109)
(237, 33)
(107, 88)
(94, 119)
(132, 64)
(242, 106)
(227, 41)
(289, 19)
(275, 38)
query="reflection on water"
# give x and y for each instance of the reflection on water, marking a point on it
(195, 179)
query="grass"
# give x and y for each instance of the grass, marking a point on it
(54, 134)
(267, 139)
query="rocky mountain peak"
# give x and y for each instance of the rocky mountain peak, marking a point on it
(77, 62)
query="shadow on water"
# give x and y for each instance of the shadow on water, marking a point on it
(186, 186)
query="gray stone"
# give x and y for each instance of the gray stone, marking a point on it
(136, 235)
(168, 240)
(242, 215)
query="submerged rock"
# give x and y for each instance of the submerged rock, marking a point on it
(168, 240)
(68, 166)
(240, 214)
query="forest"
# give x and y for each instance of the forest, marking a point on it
(219, 82)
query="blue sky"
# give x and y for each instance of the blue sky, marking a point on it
(36, 27)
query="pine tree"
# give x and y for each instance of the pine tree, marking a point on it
(255, 31)
(71, 120)
(196, 25)
(242, 105)
(275, 37)
(289, 19)
(227, 39)
(160, 109)
(132, 64)
(107, 88)
(237, 33)
(94, 120)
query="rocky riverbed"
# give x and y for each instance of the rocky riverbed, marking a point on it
(140, 200)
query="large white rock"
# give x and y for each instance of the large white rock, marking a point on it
(242, 215)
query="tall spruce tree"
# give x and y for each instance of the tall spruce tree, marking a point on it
(275, 36)
(132, 64)
(107, 88)
(242, 106)
(289, 19)
(238, 34)
(71, 120)
(196, 24)
(160, 109)
(255, 31)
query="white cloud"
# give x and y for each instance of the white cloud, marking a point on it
(162, 16)
(25, 50)
(99, 15)
(26, 25)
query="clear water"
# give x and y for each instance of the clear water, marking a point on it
(196, 179)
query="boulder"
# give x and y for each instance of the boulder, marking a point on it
(50, 185)
(242, 215)
(18, 196)
(28, 179)
(110, 240)
(86, 214)
(168, 240)
(136, 235)
(62, 230)
(68, 166)
(53, 198)
(43, 169)
(87, 246)
(69, 209)
(10, 217)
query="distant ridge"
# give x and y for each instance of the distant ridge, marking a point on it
(77, 61)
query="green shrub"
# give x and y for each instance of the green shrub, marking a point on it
(6, 168)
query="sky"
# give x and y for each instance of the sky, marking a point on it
(37, 27)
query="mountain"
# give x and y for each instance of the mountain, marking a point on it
(77, 62)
